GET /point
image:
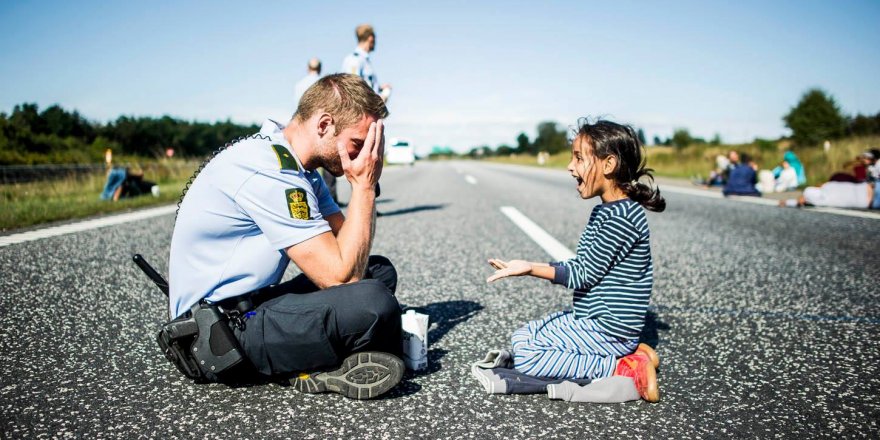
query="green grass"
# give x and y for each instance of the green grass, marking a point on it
(30, 204)
(698, 160)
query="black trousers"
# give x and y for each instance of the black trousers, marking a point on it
(296, 327)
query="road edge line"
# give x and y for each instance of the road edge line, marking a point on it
(86, 225)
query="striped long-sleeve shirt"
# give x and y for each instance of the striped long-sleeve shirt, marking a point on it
(612, 272)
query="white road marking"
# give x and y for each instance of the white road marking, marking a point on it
(762, 201)
(86, 225)
(557, 250)
(470, 179)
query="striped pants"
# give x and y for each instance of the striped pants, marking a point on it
(560, 346)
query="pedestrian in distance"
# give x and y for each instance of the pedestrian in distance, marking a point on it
(742, 178)
(611, 274)
(359, 63)
(874, 167)
(312, 76)
(259, 204)
(786, 179)
(793, 162)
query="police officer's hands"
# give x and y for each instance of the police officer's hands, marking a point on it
(512, 268)
(365, 169)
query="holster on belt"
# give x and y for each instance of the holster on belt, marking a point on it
(200, 344)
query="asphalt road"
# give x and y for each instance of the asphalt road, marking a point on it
(765, 319)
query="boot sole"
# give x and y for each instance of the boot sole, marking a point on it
(648, 351)
(361, 376)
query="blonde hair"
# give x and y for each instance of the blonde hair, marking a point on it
(347, 98)
(363, 32)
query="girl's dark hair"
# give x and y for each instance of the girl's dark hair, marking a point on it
(621, 141)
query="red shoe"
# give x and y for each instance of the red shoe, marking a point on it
(640, 368)
(648, 351)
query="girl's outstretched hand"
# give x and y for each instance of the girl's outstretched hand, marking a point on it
(512, 268)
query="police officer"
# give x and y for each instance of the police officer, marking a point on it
(314, 72)
(259, 204)
(358, 63)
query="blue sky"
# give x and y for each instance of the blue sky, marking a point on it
(464, 73)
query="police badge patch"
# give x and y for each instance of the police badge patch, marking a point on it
(297, 203)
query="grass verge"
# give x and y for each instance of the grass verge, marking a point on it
(34, 203)
(697, 160)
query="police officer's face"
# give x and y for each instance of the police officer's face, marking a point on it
(352, 138)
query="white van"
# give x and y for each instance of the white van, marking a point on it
(400, 152)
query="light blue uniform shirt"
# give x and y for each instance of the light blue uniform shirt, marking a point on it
(251, 202)
(303, 85)
(358, 63)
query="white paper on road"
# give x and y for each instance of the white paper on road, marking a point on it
(552, 246)
(415, 340)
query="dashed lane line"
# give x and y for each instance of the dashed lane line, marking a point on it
(559, 252)
(552, 246)
(470, 179)
(85, 225)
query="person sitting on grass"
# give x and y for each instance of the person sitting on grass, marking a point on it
(874, 167)
(124, 182)
(718, 175)
(856, 169)
(742, 179)
(794, 163)
(786, 179)
(611, 276)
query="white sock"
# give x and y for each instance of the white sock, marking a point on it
(614, 389)
(490, 381)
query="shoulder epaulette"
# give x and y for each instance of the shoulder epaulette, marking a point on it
(285, 159)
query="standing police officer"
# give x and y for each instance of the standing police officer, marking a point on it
(259, 204)
(358, 63)
(314, 73)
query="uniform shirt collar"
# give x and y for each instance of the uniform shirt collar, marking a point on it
(273, 129)
(361, 52)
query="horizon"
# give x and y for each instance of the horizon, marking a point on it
(492, 73)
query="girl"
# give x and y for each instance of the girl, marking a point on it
(611, 275)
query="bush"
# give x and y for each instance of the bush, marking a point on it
(815, 118)
(681, 138)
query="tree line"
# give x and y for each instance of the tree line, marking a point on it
(29, 136)
(814, 119)
(550, 137)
